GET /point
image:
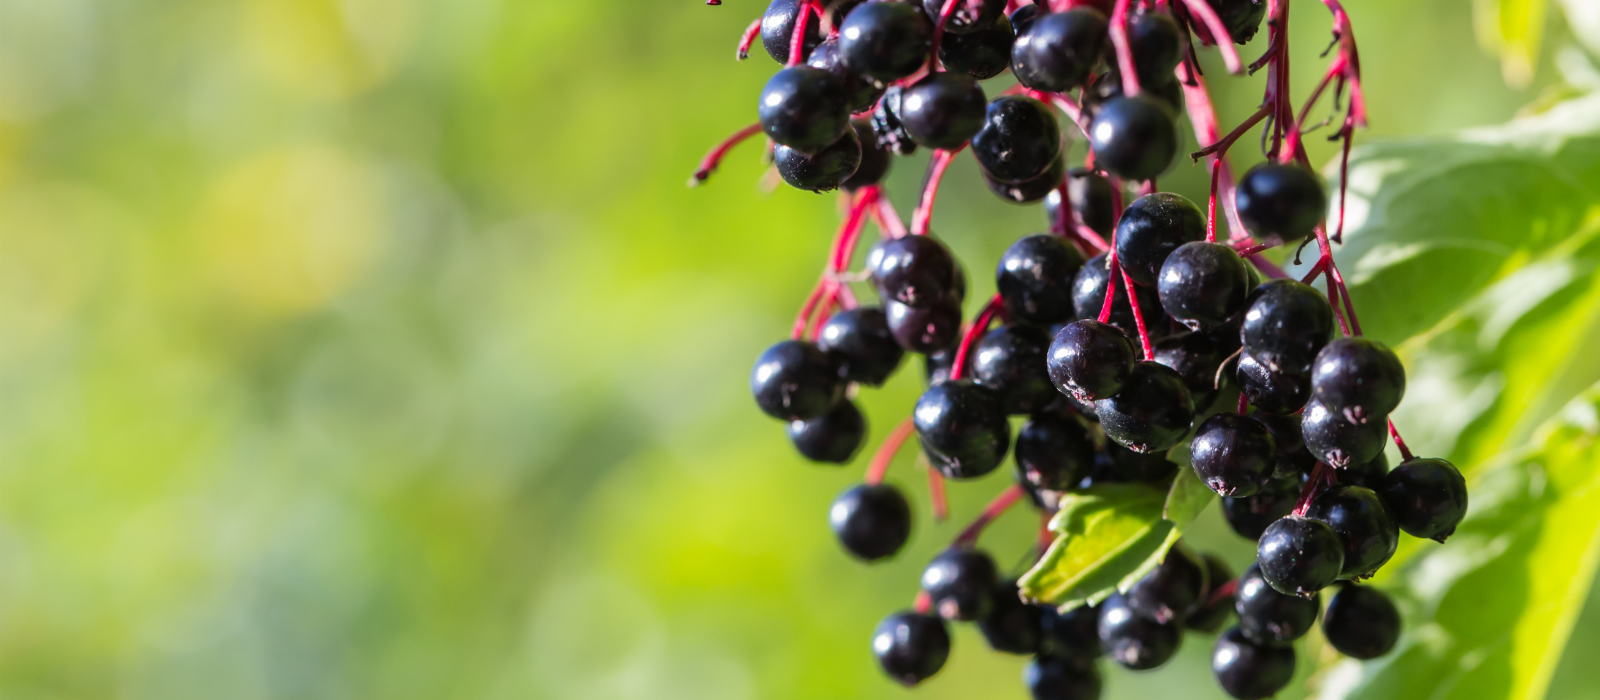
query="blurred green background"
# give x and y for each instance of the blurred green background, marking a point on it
(375, 349)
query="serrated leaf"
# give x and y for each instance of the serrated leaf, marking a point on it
(1102, 534)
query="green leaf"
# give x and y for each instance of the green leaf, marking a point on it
(1187, 498)
(1512, 29)
(1102, 534)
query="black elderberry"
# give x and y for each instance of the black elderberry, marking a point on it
(1149, 467)
(1242, 18)
(1282, 392)
(963, 428)
(943, 110)
(1361, 378)
(1090, 195)
(1056, 678)
(968, 16)
(886, 124)
(1134, 137)
(1285, 432)
(925, 329)
(936, 365)
(1251, 671)
(1053, 452)
(1152, 228)
(1202, 284)
(885, 41)
(1299, 556)
(860, 343)
(1214, 608)
(1011, 625)
(1089, 295)
(1074, 634)
(1011, 361)
(777, 29)
(1151, 412)
(961, 583)
(1233, 454)
(1361, 622)
(1196, 357)
(912, 270)
(1023, 17)
(1170, 591)
(1133, 640)
(1155, 40)
(1428, 497)
(1370, 474)
(1250, 516)
(795, 380)
(1028, 191)
(834, 436)
(1035, 276)
(1107, 86)
(804, 108)
(910, 646)
(1019, 139)
(1332, 438)
(1058, 49)
(872, 521)
(982, 54)
(1269, 617)
(1285, 324)
(1090, 360)
(860, 92)
(822, 171)
(875, 160)
(1280, 203)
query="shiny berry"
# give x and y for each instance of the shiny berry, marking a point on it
(1089, 296)
(1196, 357)
(886, 124)
(1152, 228)
(982, 54)
(936, 365)
(1011, 625)
(1023, 17)
(1281, 392)
(1299, 556)
(968, 15)
(1170, 591)
(795, 380)
(804, 108)
(1031, 190)
(822, 171)
(1369, 474)
(875, 159)
(1203, 284)
(834, 436)
(910, 646)
(1242, 18)
(1035, 277)
(1059, 49)
(963, 428)
(1019, 139)
(872, 521)
(1361, 622)
(913, 270)
(1252, 515)
(1133, 640)
(1332, 438)
(1248, 670)
(943, 110)
(1280, 203)
(1090, 360)
(1428, 497)
(925, 329)
(961, 583)
(1286, 323)
(1359, 377)
(861, 345)
(1053, 452)
(1151, 412)
(1134, 137)
(1233, 454)
(1151, 467)
(885, 41)
(1269, 617)
(860, 92)
(1056, 678)
(1214, 609)
(1155, 40)
(1090, 196)
(1071, 635)
(1108, 86)
(1011, 361)
(777, 29)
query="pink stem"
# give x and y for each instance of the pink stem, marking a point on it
(995, 509)
(886, 451)
(1244, 403)
(797, 40)
(1092, 237)
(1211, 204)
(714, 158)
(977, 329)
(924, 212)
(748, 39)
(1321, 475)
(941, 504)
(1405, 452)
(1138, 316)
(1268, 268)
(923, 603)
(888, 219)
(1219, 33)
(1250, 250)
(1292, 144)
(948, 9)
(1119, 41)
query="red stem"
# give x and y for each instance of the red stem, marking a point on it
(1219, 33)
(1267, 267)
(886, 451)
(995, 509)
(1111, 283)
(1249, 250)
(941, 505)
(938, 27)
(1211, 204)
(1292, 143)
(714, 157)
(1222, 592)
(1119, 41)
(748, 39)
(923, 603)
(1405, 452)
(1244, 403)
(930, 191)
(888, 219)
(976, 330)
(1138, 316)
(797, 40)
(1321, 476)
(1092, 237)
(1220, 148)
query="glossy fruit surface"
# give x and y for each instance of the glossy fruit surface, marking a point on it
(860, 91)
(823, 171)
(1269, 617)
(1282, 392)
(1360, 377)
(1286, 323)
(777, 30)
(834, 436)
(1023, 17)
(1370, 474)
(871, 521)
(968, 15)
(943, 110)
(885, 41)
(1250, 671)
(925, 329)
(1155, 40)
(913, 270)
(1019, 139)
(1011, 625)
(1151, 412)
(1196, 357)
(1299, 556)
(982, 54)
(1202, 284)
(1149, 467)
(963, 427)
(1089, 295)
(1170, 591)
(1057, 50)
(1092, 203)
(1035, 277)
(1361, 622)
(804, 108)
(911, 647)
(1028, 191)
(1011, 361)
(961, 583)
(1053, 451)
(1332, 438)
(1233, 455)
(1427, 497)
(861, 345)
(1252, 515)
(886, 124)
(1055, 678)
(1090, 360)
(1280, 203)
(1242, 18)
(1134, 137)
(875, 159)
(795, 380)
(1152, 228)
(1073, 634)
(1135, 641)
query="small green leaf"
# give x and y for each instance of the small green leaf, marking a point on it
(1103, 533)
(1187, 498)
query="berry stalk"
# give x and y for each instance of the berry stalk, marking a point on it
(995, 509)
(748, 39)
(923, 215)
(995, 307)
(879, 466)
(714, 157)
(941, 504)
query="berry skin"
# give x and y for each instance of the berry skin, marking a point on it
(860, 342)
(1195, 357)
(887, 126)
(834, 437)
(961, 583)
(1285, 324)
(1280, 392)
(1090, 360)
(823, 171)
(1170, 591)
(1090, 195)
(1152, 228)
(795, 380)
(1019, 139)
(1154, 38)
(1151, 413)
(872, 521)
(1212, 613)
(1427, 497)
(910, 646)
(1251, 671)
(1053, 452)
(963, 428)
(1023, 18)
(1361, 622)
(860, 92)
(1361, 378)
(1332, 439)
(1028, 191)
(1055, 678)
(1011, 361)
(982, 54)
(1070, 635)
(1202, 284)
(875, 160)
(1058, 49)
(1127, 465)
(777, 29)
(1280, 203)
(1299, 556)
(1089, 295)
(1011, 626)
(1108, 86)
(1035, 276)
(1233, 454)
(1369, 474)
(943, 110)
(1242, 18)
(936, 365)
(1134, 137)
(1252, 515)
(925, 329)
(804, 108)
(1135, 641)
(969, 15)
(913, 270)
(885, 41)
(1269, 617)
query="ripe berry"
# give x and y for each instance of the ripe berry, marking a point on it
(1108, 86)
(910, 646)
(834, 436)
(936, 365)
(913, 270)
(1151, 413)
(1427, 497)
(1056, 678)
(1053, 452)
(1252, 515)
(1285, 324)
(823, 171)
(1280, 203)
(1019, 139)
(1285, 432)
(885, 41)
(1361, 622)
(1127, 465)
(1155, 41)
(1213, 610)
(1011, 361)
(1251, 671)
(874, 158)
(1031, 190)
(1299, 556)
(1090, 195)
(1233, 454)
(860, 92)
(1170, 591)
(1089, 295)
(1152, 228)
(982, 54)
(1361, 378)
(860, 343)
(1335, 440)
(887, 126)
(969, 15)
(943, 110)
(961, 583)
(1202, 284)
(962, 427)
(1023, 17)
(1074, 634)
(1242, 18)
(1269, 617)
(925, 329)
(1090, 360)
(1369, 474)
(1011, 626)
(872, 521)
(777, 29)
(794, 380)
(1058, 49)
(1035, 276)
(804, 108)
(1196, 357)
(1282, 392)
(1135, 641)
(1134, 137)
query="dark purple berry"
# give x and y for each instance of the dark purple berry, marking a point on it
(1070, 635)
(1011, 625)
(968, 16)
(795, 380)
(1369, 473)
(777, 29)
(913, 270)
(1089, 295)
(982, 54)
(885, 41)
(1299, 556)
(1214, 609)
(872, 521)
(1149, 467)
(804, 108)
(1251, 671)
(1011, 361)
(1428, 497)
(1090, 360)
(823, 171)
(1252, 515)
(1151, 412)
(1361, 622)
(1269, 617)
(1134, 137)
(1133, 640)
(1361, 378)
(1170, 591)
(875, 160)
(1286, 323)
(1203, 284)
(910, 646)
(1019, 139)
(1090, 196)
(1280, 203)
(1108, 86)
(861, 345)
(943, 110)
(961, 583)
(926, 329)
(1196, 357)
(1332, 438)
(1056, 678)
(1028, 191)
(963, 428)
(936, 365)
(1155, 40)
(1053, 452)
(1233, 454)
(1057, 50)
(1024, 16)
(886, 125)
(1242, 18)
(1035, 277)
(834, 436)
(860, 91)
(1152, 228)
(1281, 392)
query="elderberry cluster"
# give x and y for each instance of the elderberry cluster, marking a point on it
(1123, 333)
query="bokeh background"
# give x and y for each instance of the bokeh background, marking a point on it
(375, 349)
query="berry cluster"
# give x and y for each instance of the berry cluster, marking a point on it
(1123, 332)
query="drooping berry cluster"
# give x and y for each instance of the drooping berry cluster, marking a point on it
(1123, 332)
